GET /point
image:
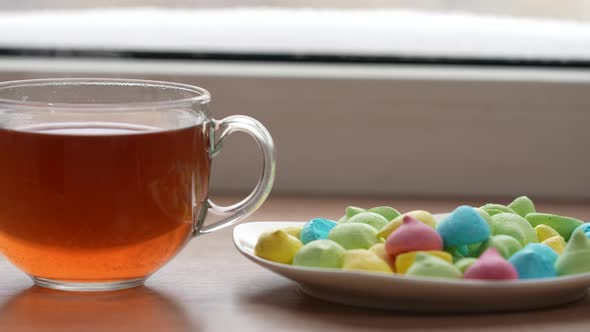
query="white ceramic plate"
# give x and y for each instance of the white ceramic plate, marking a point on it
(385, 291)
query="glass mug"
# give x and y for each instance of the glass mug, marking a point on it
(103, 181)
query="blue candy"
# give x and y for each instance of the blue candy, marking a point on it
(585, 227)
(316, 229)
(535, 261)
(544, 250)
(464, 226)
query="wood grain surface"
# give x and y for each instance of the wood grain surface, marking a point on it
(210, 287)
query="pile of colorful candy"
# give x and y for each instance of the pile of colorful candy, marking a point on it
(493, 242)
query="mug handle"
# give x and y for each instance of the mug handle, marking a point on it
(251, 203)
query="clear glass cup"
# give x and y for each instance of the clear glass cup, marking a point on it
(103, 181)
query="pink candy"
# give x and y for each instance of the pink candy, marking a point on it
(491, 266)
(412, 235)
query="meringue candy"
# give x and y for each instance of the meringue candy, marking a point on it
(427, 265)
(563, 225)
(556, 243)
(464, 263)
(544, 232)
(522, 206)
(576, 256)
(491, 266)
(412, 235)
(463, 226)
(293, 230)
(404, 261)
(379, 250)
(506, 245)
(535, 261)
(320, 253)
(277, 246)
(423, 216)
(354, 235)
(494, 209)
(372, 219)
(349, 212)
(514, 225)
(316, 229)
(364, 260)
(585, 227)
(386, 211)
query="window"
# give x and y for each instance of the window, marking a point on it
(396, 97)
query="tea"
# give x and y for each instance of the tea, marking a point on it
(101, 201)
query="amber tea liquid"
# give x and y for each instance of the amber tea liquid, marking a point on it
(100, 202)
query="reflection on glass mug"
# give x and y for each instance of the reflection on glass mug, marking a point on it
(103, 181)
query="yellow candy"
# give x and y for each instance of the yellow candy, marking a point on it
(423, 216)
(293, 230)
(379, 250)
(556, 243)
(364, 260)
(545, 232)
(404, 261)
(277, 246)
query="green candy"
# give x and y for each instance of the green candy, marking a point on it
(353, 210)
(576, 256)
(372, 219)
(464, 251)
(494, 209)
(354, 235)
(563, 225)
(349, 212)
(464, 263)
(513, 225)
(506, 245)
(320, 253)
(458, 252)
(473, 249)
(386, 211)
(485, 215)
(344, 218)
(430, 266)
(523, 206)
